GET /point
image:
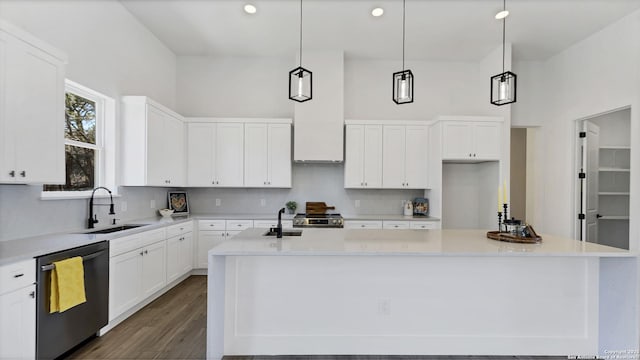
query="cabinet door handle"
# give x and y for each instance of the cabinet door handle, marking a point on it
(18, 275)
(32, 294)
(362, 225)
(23, 173)
(146, 251)
(474, 155)
(469, 154)
(141, 253)
(365, 184)
(12, 173)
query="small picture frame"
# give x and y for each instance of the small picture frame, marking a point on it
(178, 202)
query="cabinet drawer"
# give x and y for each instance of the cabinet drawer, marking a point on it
(423, 225)
(237, 225)
(287, 224)
(211, 224)
(395, 225)
(363, 224)
(153, 236)
(17, 275)
(124, 244)
(179, 229)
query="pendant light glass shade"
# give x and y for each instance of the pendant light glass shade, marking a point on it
(403, 87)
(403, 80)
(503, 88)
(300, 84)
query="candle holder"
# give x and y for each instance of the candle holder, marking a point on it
(505, 206)
(499, 221)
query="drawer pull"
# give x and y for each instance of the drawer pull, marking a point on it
(18, 275)
(32, 294)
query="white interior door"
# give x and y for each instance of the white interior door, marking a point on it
(591, 163)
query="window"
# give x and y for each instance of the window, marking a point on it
(87, 124)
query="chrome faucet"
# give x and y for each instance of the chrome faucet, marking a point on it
(93, 219)
(279, 227)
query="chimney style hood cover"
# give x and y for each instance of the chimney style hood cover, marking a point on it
(318, 129)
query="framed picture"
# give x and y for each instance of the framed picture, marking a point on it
(178, 202)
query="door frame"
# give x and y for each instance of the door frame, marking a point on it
(577, 164)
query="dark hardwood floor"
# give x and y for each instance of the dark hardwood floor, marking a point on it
(174, 327)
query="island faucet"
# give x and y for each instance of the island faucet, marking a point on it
(94, 218)
(279, 227)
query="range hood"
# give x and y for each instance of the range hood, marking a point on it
(318, 128)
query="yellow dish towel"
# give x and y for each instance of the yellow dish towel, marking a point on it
(67, 284)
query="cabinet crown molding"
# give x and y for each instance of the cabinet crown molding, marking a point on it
(467, 118)
(239, 120)
(389, 122)
(27, 37)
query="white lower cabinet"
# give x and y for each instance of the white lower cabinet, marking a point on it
(396, 225)
(179, 255)
(18, 311)
(362, 224)
(215, 232)
(137, 269)
(425, 225)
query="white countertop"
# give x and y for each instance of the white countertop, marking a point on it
(25, 248)
(337, 242)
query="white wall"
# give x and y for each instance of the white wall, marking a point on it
(110, 52)
(597, 75)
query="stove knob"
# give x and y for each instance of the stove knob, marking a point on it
(334, 221)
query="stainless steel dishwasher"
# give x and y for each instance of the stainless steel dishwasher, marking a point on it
(57, 333)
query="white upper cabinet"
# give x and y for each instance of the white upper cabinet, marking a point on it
(215, 154)
(363, 156)
(31, 109)
(153, 144)
(471, 140)
(405, 157)
(267, 155)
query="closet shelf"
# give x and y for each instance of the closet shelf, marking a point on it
(612, 217)
(610, 169)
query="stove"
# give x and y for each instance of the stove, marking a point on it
(318, 220)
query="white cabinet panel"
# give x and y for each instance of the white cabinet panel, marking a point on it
(179, 255)
(18, 325)
(239, 225)
(201, 154)
(396, 225)
(125, 282)
(425, 225)
(154, 270)
(267, 157)
(206, 241)
(471, 140)
(405, 158)
(229, 154)
(153, 141)
(363, 157)
(31, 111)
(360, 224)
(267, 224)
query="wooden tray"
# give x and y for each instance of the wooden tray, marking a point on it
(508, 237)
(317, 208)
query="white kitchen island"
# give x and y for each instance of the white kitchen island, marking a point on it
(417, 292)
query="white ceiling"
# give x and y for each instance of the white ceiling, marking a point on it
(444, 30)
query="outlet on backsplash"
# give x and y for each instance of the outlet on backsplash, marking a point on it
(152, 204)
(263, 202)
(357, 203)
(218, 202)
(123, 206)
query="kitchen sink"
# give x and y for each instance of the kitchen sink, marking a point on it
(284, 233)
(116, 229)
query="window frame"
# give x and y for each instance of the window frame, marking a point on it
(104, 147)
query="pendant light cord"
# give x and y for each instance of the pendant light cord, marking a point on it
(504, 8)
(403, 26)
(300, 33)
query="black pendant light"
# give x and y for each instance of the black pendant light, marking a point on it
(503, 86)
(300, 88)
(403, 80)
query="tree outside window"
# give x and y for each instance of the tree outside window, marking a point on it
(82, 143)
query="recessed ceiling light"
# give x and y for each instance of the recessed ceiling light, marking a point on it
(250, 9)
(377, 12)
(502, 14)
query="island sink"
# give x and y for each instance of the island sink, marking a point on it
(274, 232)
